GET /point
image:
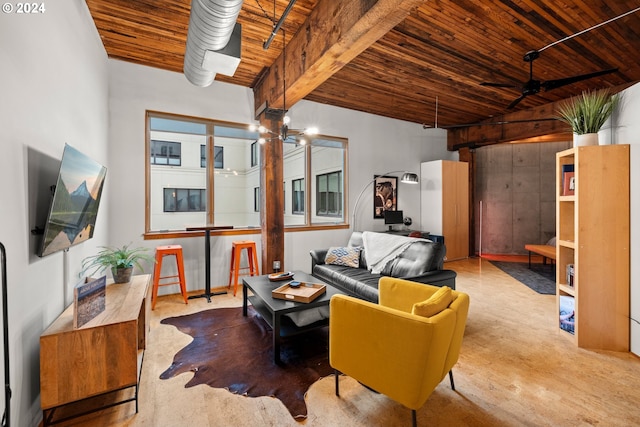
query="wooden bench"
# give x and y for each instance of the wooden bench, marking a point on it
(547, 251)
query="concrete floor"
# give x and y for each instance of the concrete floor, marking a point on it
(516, 369)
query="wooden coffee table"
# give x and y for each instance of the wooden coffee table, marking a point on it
(273, 310)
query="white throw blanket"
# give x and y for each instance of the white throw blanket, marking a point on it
(380, 248)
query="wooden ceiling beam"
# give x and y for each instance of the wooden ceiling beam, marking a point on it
(535, 124)
(516, 126)
(334, 34)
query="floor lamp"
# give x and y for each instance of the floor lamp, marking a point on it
(407, 178)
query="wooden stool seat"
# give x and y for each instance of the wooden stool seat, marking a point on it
(236, 254)
(161, 252)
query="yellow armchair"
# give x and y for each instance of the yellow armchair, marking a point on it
(396, 353)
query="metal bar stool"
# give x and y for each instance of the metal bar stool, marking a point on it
(161, 252)
(236, 254)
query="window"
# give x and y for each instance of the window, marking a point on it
(203, 171)
(218, 157)
(165, 153)
(194, 148)
(256, 199)
(297, 196)
(329, 194)
(305, 168)
(254, 154)
(184, 200)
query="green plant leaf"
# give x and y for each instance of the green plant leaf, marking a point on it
(588, 112)
(109, 257)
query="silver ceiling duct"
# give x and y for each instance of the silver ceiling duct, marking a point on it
(213, 40)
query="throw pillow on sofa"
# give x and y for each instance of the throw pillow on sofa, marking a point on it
(440, 300)
(348, 257)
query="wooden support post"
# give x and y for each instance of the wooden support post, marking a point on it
(272, 199)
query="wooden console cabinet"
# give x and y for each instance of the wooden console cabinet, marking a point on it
(593, 235)
(103, 356)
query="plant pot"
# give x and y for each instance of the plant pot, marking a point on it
(122, 275)
(585, 139)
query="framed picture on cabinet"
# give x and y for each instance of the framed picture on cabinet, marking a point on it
(385, 195)
(569, 184)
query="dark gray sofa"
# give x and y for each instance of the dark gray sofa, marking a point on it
(421, 262)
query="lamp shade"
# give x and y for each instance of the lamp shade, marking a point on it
(409, 178)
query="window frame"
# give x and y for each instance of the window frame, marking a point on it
(309, 222)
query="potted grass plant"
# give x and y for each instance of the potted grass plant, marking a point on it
(587, 113)
(120, 260)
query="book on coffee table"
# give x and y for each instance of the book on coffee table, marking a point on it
(299, 291)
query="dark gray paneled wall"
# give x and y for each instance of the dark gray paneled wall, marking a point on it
(515, 183)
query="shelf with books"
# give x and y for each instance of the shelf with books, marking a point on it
(592, 255)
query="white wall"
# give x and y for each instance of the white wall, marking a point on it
(376, 145)
(53, 81)
(626, 130)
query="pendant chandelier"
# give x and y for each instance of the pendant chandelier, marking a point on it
(285, 134)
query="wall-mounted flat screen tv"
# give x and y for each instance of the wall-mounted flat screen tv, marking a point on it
(74, 207)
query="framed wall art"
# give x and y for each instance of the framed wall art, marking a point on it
(385, 195)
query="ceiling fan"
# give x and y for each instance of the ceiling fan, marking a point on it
(532, 86)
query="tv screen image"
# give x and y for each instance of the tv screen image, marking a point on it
(76, 198)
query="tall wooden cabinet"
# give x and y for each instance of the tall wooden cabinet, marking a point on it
(444, 199)
(592, 227)
(102, 356)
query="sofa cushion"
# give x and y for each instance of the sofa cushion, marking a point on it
(354, 281)
(420, 257)
(356, 241)
(349, 257)
(440, 300)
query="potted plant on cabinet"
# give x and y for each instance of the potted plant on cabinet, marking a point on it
(587, 113)
(120, 260)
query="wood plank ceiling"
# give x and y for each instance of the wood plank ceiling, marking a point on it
(444, 49)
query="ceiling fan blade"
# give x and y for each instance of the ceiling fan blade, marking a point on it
(552, 84)
(515, 102)
(497, 84)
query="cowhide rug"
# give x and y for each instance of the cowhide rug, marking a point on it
(235, 352)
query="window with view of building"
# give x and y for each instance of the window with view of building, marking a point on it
(218, 157)
(184, 200)
(329, 194)
(165, 153)
(297, 199)
(203, 171)
(254, 154)
(256, 199)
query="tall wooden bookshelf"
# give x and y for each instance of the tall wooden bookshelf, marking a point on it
(592, 227)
